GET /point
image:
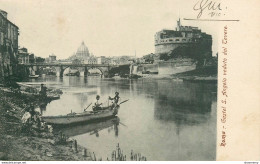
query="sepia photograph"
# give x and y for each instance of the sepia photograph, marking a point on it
(108, 80)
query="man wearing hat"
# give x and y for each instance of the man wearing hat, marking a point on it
(97, 105)
(116, 99)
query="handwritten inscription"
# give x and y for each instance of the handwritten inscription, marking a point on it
(210, 7)
(224, 88)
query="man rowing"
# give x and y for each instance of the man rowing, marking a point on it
(116, 99)
(97, 105)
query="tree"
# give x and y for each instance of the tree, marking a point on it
(39, 60)
(76, 61)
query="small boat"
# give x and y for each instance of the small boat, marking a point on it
(35, 93)
(73, 118)
(49, 97)
(33, 76)
(92, 128)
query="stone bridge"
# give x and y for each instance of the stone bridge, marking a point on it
(59, 68)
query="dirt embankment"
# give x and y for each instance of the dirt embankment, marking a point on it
(20, 143)
(25, 142)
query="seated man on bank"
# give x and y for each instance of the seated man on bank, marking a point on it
(97, 105)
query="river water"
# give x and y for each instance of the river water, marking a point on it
(164, 119)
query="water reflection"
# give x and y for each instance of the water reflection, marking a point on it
(185, 103)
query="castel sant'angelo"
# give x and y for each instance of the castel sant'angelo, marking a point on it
(167, 41)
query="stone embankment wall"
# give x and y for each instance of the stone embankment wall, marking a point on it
(163, 68)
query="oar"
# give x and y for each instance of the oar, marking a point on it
(122, 124)
(87, 107)
(123, 102)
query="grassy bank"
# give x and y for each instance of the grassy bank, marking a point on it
(29, 143)
(19, 143)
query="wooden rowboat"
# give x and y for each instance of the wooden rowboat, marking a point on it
(73, 118)
(92, 128)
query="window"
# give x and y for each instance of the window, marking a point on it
(177, 40)
(170, 40)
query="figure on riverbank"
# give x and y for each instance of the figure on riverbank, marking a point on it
(116, 99)
(43, 91)
(97, 105)
(30, 117)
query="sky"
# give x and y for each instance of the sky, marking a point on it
(108, 27)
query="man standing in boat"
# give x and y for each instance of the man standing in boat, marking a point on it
(97, 105)
(116, 99)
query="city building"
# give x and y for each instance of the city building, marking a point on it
(51, 59)
(23, 56)
(103, 60)
(92, 60)
(8, 46)
(114, 61)
(31, 58)
(183, 36)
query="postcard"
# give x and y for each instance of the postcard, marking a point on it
(129, 80)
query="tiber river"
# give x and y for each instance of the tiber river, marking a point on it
(164, 119)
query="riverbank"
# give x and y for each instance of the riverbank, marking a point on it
(204, 74)
(17, 143)
(25, 142)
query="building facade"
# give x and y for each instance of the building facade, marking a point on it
(169, 40)
(51, 59)
(8, 46)
(92, 60)
(23, 56)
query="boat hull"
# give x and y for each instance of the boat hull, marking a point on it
(81, 117)
(92, 127)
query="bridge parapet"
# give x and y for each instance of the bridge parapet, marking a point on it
(83, 68)
(69, 64)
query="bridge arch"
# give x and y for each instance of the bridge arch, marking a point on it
(96, 68)
(47, 70)
(68, 67)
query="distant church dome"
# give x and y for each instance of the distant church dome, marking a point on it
(82, 51)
